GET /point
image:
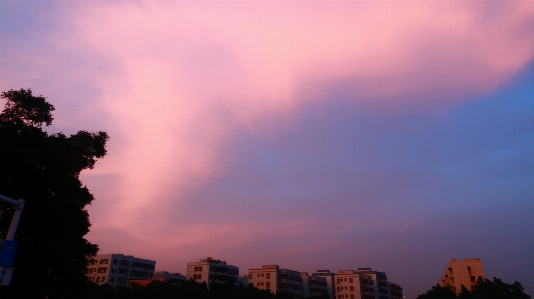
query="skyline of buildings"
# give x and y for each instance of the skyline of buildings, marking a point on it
(365, 283)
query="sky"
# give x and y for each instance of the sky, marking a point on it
(314, 135)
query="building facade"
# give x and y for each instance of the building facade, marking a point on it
(350, 284)
(118, 269)
(382, 288)
(313, 286)
(211, 271)
(395, 291)
(460, 273)
(271, 277)
(330, 281)
(365, 284)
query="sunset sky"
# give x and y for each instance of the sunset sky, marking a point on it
(333, 135)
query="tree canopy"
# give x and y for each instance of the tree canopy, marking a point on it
(484, 289)
(44, 170)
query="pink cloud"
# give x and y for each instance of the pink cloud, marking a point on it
(192, 72)
(181, 77)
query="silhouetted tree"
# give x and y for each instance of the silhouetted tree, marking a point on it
(497, 289)
(44, 170)
(484, 289)
(438, 292)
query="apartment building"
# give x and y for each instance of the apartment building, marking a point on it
(350, 284)
(382, 287)
(365, 284)
(330, 282)
(313, 286)
(271, 277)
(211, 271)
(460, 273)
(118, 269)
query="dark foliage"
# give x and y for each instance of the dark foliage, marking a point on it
(438, 292)
(484, 289)
(44, 170)
(187, 290)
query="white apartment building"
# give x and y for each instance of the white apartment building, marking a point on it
(211, 271)
(460, 273)
(118, 269)
(365, 284)
(271, 277)
(330, 282)
(350, 284)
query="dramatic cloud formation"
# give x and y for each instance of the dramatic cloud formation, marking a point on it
(280, 132)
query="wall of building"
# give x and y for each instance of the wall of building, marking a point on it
(212, 271)
(460, 273)
(118, 269)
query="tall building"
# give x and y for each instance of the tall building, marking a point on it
(271, 277)
(329, 277)
(460, 273)
(118, 269)
(211, 271)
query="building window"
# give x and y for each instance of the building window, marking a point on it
(351, 288)
(268, 285)
(198, 268)
(102, 270)
(258, 274)
(262, 274)
(111, 279)
(103, 261)
(257, 284)
(344, 279)
(268, 275)
(351, 280)
(351, 296)
(250, 276)
(114, 261)
(262, 283)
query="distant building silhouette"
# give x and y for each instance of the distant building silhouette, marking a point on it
(118, 269)
(160, 276)
(460, 273)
